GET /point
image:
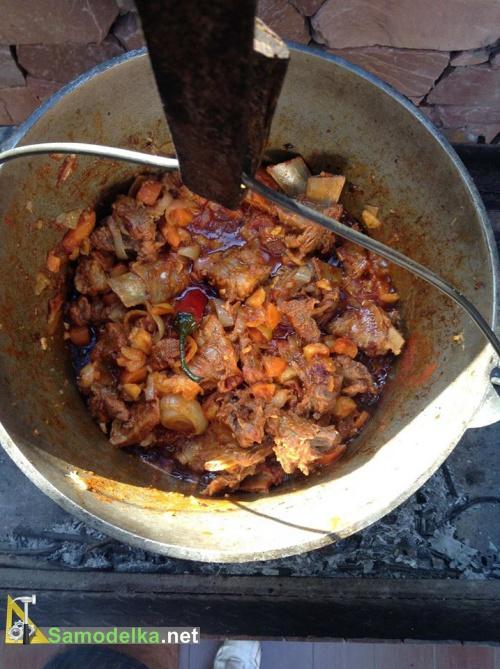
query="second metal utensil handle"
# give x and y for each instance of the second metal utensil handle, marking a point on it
(380, 249)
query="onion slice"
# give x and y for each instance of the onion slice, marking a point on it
(117, 239)
(292, 175)
(325, 188)
(159, 323)
(225, 318)
(181, 415)
(130, 288)
(192, 252)
(303, 274)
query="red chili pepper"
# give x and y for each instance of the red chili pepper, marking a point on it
(193, 302)
(189, 312)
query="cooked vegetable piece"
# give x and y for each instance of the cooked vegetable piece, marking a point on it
(370, 218)
(325, 189)
(291, 175)
(189, 311)
(182, 415)
(117, 240)
(73, 238)
(130, 288)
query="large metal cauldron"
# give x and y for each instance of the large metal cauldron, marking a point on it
(339, 118)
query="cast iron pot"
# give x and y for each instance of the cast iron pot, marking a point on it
(339, 118)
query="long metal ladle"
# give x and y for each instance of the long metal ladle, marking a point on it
(285, 202)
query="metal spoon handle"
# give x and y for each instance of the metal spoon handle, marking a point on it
(283, 201)
(114, 153)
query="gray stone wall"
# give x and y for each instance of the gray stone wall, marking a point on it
(444, 55)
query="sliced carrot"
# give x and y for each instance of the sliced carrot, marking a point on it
(136, 376)
(344, 346)
(264, 390)
(73, 238)
(148, 192)
(273, 316)
(274, 366)
(180, 216)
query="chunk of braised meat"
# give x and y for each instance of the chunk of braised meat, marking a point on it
(90, 277)
(106, 405)
(299, 313)
(244, 415)
(165, 353)
(290, 282)
(301, 444)
(313, 238)
(328, 282)
(366, 276)
(106, 308)
(144, 417)
(112, 337)
(252, 364)
(370, 328)
(244, 314)
(83, 310)
(164, 278)
(222, 482)
(354, 259)
(267, 230)
(216, 451)
(268, 475)
(214, 220)
(216, 359)
(357, 378)
(237, 271)
(306, 237)
(321, 383)
(291, 350)
(327, 308)
(137, 224)
(101, 238)
(79, 311)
